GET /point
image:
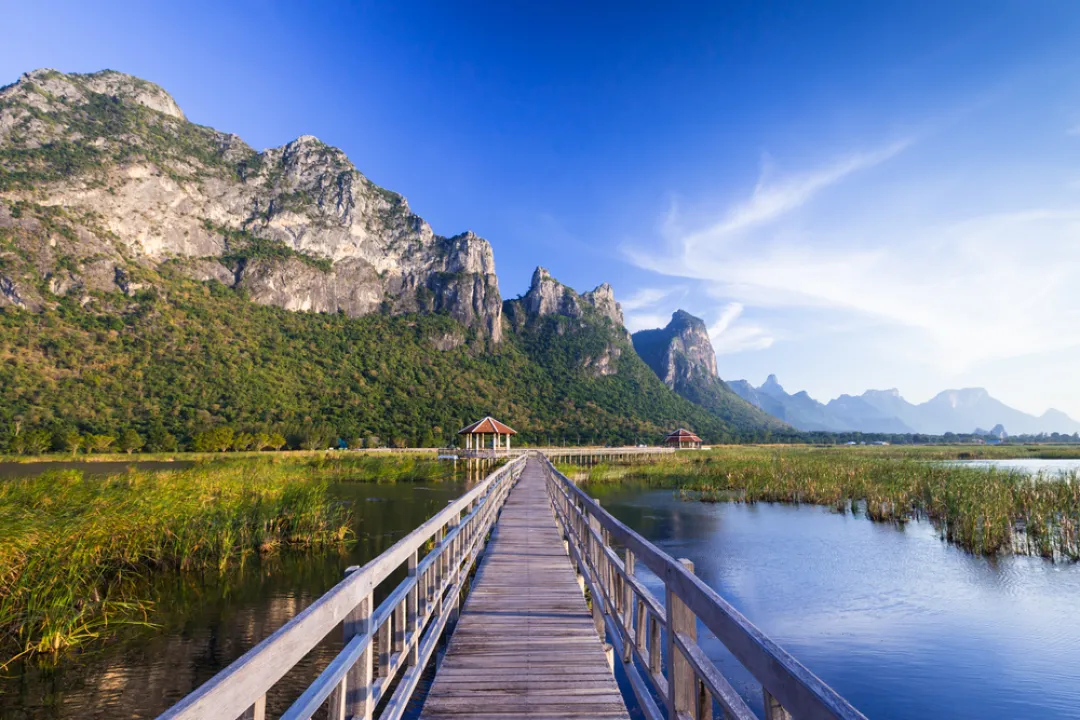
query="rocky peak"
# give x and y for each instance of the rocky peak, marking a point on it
(296, 226)
(680, 351)
(55, 85)
(548, 296)
(603, 299)
(772, 386)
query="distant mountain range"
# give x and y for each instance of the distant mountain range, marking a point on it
(968, 410)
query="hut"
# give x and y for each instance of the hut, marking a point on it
(486, 434)
(683, 438)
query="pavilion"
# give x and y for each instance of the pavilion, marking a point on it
(683, 438)
(486, 434)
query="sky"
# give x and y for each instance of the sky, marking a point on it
(851, 195)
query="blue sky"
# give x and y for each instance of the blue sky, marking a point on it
(851, 194)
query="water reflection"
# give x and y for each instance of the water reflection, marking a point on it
(208, 620)
(900, 623)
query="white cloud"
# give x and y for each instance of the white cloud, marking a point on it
(983, 287)
(646, 321)
(772, 199)
(728, 335)
(645, 297)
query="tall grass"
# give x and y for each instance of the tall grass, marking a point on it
(73, 549)
(984, 511)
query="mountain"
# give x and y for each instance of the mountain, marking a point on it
(160, 275)
(885, 411)
(113, 158)
(682, 356)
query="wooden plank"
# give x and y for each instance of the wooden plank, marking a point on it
(785, 678)
(235, 690)
(525, 644)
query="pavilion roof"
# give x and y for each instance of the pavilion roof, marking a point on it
(487, 426)
(682, 434)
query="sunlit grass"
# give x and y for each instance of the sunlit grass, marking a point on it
(74, 548)
(984, 511)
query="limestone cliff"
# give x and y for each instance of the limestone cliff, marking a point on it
(594, 318)
(102, 176)
(683, 357)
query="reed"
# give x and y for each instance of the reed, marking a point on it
(984, 511)
(75, 549)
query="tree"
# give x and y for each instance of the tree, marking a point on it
(261, 441)
(243, 441)
(162, 441)
(99, 443)
(276, 441)
(131, 441)
(68, 440)
(37, 441)
(217, 439)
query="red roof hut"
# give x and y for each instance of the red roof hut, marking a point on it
(487, 433)
(683, 438)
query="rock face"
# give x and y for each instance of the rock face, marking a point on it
(547, 296)
(594, 318)
(679, 352)
(112, 157)
(682, 355)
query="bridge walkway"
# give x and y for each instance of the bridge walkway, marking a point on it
(525, 645)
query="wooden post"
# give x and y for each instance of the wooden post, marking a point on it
(258, 710)
(682, 685)
(412, 614)
(599, 572)
(628, 607)
(773, 709)
(358, 681)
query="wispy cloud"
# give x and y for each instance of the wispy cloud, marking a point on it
(646, 297)
(987, 286)
(772, 198)
(728, 335)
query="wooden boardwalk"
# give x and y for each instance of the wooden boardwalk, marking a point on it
(525, 645)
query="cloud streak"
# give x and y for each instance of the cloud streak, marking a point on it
(772, 199)
(980, 287)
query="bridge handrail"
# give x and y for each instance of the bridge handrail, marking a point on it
(402, 631)
(641, 626)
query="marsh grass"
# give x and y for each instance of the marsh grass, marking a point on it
(984, 511)
(74, 549)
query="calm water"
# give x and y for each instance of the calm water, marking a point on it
(901, 624)
(207, 621)
(1028, 465)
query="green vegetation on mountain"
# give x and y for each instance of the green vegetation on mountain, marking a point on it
(173, 364)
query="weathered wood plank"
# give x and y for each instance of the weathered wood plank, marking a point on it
(525, 644)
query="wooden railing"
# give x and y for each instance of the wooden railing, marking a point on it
(386, 647)
(657, 642)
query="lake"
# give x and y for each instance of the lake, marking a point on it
(9, 470)
(900, 623)
(1033, 466)
(208, 620)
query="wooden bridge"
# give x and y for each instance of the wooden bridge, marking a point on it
(554, 612)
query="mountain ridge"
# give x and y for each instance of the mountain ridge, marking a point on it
(164, 276)
(682, 356)
(959, 411)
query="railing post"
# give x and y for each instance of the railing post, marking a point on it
(598, 574)
(412, 612)
(256, 711)
(628, 607)
(358, 680)
(682, 685)
(773, 709)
